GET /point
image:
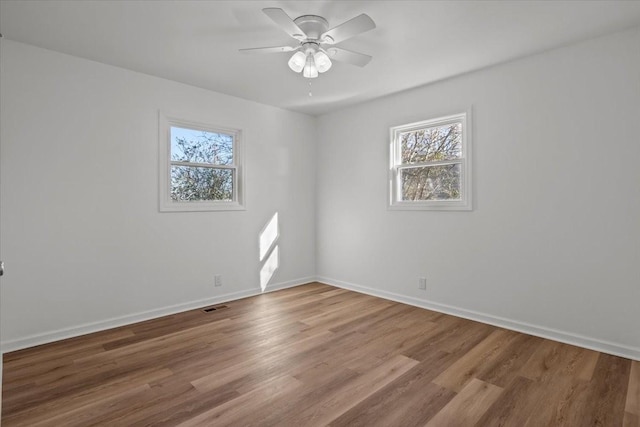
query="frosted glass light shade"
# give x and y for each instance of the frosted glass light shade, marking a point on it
(322, 61)
(310, 71)
(297, 61)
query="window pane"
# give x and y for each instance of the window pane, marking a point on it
(198, 146)
(192, 184)
(431, 183)
(432, 144)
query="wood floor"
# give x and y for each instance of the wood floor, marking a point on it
(317, 355)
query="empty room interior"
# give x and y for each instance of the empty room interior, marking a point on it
(311, 213)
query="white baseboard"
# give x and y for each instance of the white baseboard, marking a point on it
(527, 328)
(87, 328)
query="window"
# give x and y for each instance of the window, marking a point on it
(200, 167)
(430, 165)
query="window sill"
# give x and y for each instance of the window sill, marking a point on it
(201, 207)
(431, 206)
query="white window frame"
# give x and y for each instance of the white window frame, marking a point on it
(396, 167)
(164, 137)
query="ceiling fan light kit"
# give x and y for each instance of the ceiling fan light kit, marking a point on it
(322, 61)
(310, 70)
(297, 61)
(311, 61)
(312, 32)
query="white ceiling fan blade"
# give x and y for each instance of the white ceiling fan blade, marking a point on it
(348, 56)
(346, 30)
(283, 20)
(275, 49)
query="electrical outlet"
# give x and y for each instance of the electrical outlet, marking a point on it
(217, 280)
(422, 283)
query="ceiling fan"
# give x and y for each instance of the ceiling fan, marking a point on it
(316, 47)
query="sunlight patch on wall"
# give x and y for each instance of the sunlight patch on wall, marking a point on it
(268, 236)
(269, 250)
(270, 266)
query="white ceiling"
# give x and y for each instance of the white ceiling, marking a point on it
(415, 42)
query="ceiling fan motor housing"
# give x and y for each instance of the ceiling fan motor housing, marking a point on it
(309, 48)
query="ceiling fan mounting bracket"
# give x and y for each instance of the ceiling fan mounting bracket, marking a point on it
(312, 25)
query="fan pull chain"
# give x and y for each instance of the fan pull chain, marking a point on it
(310, 94)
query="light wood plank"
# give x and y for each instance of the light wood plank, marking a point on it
(553, 358)
(458, 375)
(341, 400)
(258, 398)
(410, 400)
(468, 406)
(513, 407)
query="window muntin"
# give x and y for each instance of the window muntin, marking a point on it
(430, 166)
(201, 168)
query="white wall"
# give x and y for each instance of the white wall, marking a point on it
(552, 244)
(82, 237)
